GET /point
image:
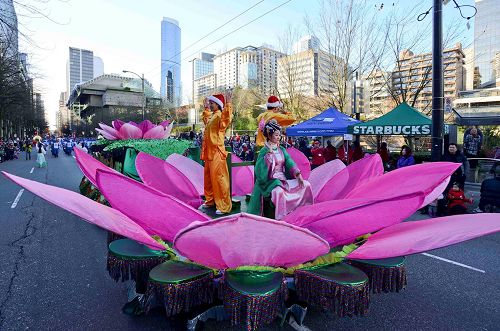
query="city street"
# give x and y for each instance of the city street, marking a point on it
(53, 274)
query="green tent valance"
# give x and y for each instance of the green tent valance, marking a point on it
(402, 120)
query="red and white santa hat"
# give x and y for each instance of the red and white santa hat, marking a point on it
(274, 102)
(218, 99)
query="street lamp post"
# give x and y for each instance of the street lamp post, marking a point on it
(143, 93)
(437, 82)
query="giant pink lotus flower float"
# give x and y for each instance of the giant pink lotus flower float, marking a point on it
(350, 202)
(131, 130)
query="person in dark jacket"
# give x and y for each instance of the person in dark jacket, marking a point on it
(383, 151)
(490, 194)
(357, 153)
(406, 158)
(454, 155)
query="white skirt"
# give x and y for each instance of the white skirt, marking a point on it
(40, 160)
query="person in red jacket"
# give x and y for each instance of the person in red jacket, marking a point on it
(330, 151)
(318, 155)
(457, 200)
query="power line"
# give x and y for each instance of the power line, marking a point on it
(241, 27)
(208, 34)
(237, 29)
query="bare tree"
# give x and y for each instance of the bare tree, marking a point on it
(408, 64)
(294, 78)
(352, 41)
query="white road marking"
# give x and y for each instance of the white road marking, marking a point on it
(14, 204)
(453, 262)
(32, 170)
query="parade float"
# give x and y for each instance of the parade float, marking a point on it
(335, 254)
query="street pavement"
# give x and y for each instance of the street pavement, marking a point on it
(53, 275)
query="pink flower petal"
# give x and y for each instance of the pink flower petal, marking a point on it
(168, 129)
(420, 236)
(156, 212)
(349, 178)
(91, 211)
(129, 131)
(301, 160)
(417, 178)
(167, 179)
(191, 169)
(157, 132)
(242, 183)
(106, 135)
(145, 126)
(165, 123)
(342, 221)
(89, 165)
(110, 130)
(117, 124)
(320, 176)
(244, 239)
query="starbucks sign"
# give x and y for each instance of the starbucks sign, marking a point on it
(407, 130)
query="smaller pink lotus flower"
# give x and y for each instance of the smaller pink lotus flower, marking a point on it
(131, 130)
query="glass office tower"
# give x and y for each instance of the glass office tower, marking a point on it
(486, 37)
(171, 60)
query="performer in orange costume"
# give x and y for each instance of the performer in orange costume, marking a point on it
(217, 116)
(273, 111)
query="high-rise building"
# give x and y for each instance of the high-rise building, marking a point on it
(248, 67)
(79, 68)
(306, 43)
(413, 74)
(306, 74)
(495, 67)
(170, 60)
(203, 65)
(63, 114)
(372, 93)
(200, 66)
(98, 67)
(8, 27)
(486, 37)
(203, 86)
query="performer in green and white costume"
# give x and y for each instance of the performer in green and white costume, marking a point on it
(271, 170)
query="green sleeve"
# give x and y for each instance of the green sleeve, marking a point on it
(290, 165)
(261, 170)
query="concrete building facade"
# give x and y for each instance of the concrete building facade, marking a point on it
(204, 86)
(248, 67)
(201, 66)
(412, 75)
(306, 73)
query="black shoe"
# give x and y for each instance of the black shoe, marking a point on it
(133, 308)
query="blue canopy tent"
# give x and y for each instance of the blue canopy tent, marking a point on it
(330, 122)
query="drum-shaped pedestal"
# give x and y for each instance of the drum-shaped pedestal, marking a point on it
(129, 260)
(180, 286)
(256, 297)
(339, 287)
(386, 275)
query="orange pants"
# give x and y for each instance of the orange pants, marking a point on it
(217, 183)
